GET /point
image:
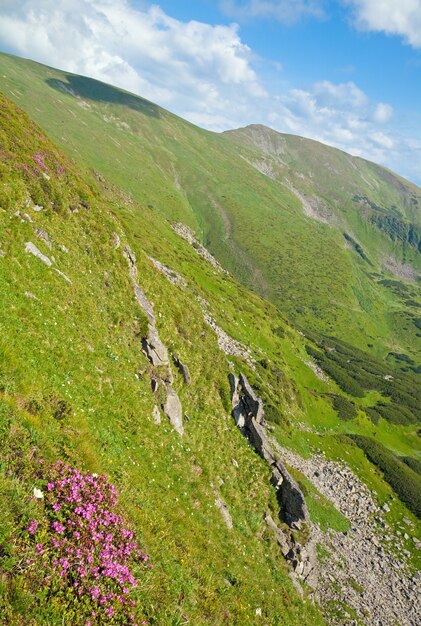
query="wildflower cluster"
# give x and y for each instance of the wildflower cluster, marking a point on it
(85, 545)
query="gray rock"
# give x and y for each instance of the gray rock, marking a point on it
(154, 349)
(32, 249)
(248, 412)
(184, 370)
(280, 537)
(226, 516)
(66, 278)
(116, 241)
(44, 236)
(156, 415)
(173, 410)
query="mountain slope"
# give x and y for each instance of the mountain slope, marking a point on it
(75, 385)
(341, 257)
(82, 264)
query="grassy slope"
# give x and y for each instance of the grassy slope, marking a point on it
(46, 347)
(254, 225)
(79, 343)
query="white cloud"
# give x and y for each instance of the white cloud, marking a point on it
(393, 17)
(285, 11)
(202, 72)
(382, 113)
(383, 140)
(144, 51)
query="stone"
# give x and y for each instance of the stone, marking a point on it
(226, 516)
(154, 349)
(248, 412)
(184, 370)
(252, 400)
(32, 249)
(44, 236)
(156, 415)
(280, 537)
(173, 410)
(116, 241)
(66, 278)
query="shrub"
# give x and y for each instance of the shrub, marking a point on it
(414, 464)
(403, 480)
(345, 409)
(83, 546)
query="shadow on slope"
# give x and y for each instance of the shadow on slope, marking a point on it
(101, 92)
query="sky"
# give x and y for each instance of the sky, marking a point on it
(344, 72)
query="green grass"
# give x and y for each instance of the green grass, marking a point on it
(254, 224)
(74, 383)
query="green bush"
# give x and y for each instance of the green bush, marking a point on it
(344, 408)
(403, 480)
(414, 464)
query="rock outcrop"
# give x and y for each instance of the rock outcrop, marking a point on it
(183, 369)
(228, 345)
(186, 233)
(32, 249)
(171, 275)
(248, 412)
(156, 352)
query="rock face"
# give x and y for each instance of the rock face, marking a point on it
(184, 370)
(248, 412)
(44, 236)
(156, 352)
(227, 344)
(154, 349)
(174, 277)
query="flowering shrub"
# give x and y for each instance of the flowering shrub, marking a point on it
(39, 160)
(84, 545)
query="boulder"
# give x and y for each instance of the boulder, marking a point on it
(154, 349)
(184, 370)
(173, 410)
(32, 249)
(156, 415)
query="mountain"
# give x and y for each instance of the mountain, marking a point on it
(267, 464)
(333, 241)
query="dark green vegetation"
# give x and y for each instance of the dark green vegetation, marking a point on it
(356, 372)
(75, 384)
(405, 481)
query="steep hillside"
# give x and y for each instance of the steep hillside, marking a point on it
(332, 240)
(76, 386)
(271, 476)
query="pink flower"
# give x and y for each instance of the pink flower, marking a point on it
(32, 527)
(59, 528)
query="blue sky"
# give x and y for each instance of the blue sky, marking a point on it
(345, 72)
